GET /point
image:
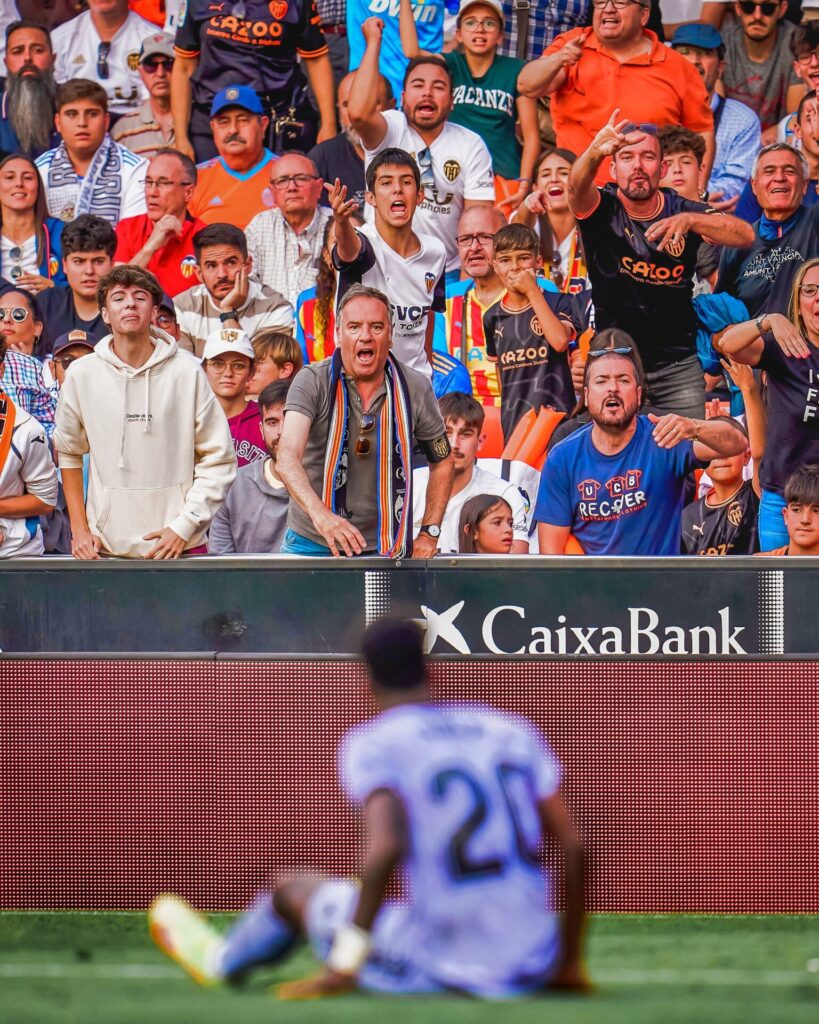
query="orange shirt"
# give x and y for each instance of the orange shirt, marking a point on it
(223, 196)
(153, 10)
(659, 87)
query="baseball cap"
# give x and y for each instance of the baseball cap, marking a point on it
(77, 337)
(494, 4)
(166, 303)
(227, 341)
(236, 96)
(160, 44)
(699, 34)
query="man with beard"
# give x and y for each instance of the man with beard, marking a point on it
(253, 518)
(455, 165)
(28, 103)
(342, 156)
(468, 299)
(641, 245)
(617, 484)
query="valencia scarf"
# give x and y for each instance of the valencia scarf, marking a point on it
(393, 451)
(99, 192)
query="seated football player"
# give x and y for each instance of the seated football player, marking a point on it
(460, 799)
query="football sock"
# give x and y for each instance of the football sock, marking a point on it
(260, 936)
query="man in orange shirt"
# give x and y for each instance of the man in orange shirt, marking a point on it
(235, 186)
(618, 63)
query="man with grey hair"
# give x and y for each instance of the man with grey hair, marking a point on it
(29, 102)
(618, 63)
(786, 234)
(345, 453)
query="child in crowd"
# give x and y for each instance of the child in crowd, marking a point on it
(546, 210)
(277, 356)
(485, 96)
(228, 365)
(725, 520)
(801, 513)
(528, 332)
(486, 526)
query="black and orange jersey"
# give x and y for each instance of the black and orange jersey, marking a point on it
(253, 43)
(727, 528)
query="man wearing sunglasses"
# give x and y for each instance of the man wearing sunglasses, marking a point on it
(759, 63)
(345, 454)
(103, 44)
(151, 127)
(619, 62)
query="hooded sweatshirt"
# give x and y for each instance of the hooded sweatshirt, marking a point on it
(28, 469)
(160, 449)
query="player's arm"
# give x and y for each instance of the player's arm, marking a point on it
(367, 120)
(387, 833)
(556, 821)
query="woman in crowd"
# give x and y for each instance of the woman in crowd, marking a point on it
(30, 252)
(485, 526)
(546, 209)
(20, 321)
(787, 349)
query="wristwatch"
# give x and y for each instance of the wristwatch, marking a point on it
(229, 314)
(433, 530)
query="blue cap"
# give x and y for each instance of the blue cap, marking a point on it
(699, 34)
(236, 96)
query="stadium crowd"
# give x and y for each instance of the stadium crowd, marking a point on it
(325, 278)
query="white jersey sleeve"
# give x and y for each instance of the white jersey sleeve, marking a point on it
(134, 169)
(366, 764)
(479, 183)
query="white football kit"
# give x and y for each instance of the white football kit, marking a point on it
(477, 917)
(457, 166)
(77, 54)
(414, 286)
(28, 469)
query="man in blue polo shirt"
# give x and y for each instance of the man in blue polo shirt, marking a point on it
(617, 484)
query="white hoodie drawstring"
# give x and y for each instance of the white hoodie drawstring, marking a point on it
(124, 421)
(147, 400)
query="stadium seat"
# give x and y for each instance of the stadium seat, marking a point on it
(492, 445)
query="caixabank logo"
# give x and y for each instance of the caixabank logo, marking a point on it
(509, 629)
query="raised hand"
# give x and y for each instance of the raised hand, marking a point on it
(787, 336)
(573, 51)
(612, 136)
(372, 29)
(342, 206)
(671, 429)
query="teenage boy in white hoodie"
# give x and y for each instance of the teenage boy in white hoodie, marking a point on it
(28, 479)
(161, 454)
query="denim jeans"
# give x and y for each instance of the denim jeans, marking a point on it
(772, 530)
(679, 388)
(295, 544)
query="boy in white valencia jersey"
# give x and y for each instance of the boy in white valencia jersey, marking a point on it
(458, 797)
(408, 267)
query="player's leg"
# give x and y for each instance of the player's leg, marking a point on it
(263, 934)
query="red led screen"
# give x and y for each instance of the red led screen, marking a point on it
(695, 784)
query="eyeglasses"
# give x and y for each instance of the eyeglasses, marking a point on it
(807, 56)
(748, 7)
(619, 4)
(483, 239)
(362, 445)
(594, 353)
(649, 129)
(18, 314)
(424, 159)
(152, 66)
(219, 365)
(165, 319)
(65, 361)
(299, 180)
(487, 24)
(162, 183)
(808, 290)
(103, 52)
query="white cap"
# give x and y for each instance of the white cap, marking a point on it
(494, 4)
(227, 341)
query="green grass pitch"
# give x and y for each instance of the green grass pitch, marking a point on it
(82, 968)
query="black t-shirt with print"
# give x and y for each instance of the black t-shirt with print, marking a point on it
(793, 414)
(761, 275)
(531, 373)
(646, 292)
(60, 315)
(336, 158)
(729, 528)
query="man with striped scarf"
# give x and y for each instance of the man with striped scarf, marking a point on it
(345, 454)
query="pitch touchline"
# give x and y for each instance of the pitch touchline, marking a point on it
(612, 976)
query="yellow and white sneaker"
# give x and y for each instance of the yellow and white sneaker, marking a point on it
(187, 938)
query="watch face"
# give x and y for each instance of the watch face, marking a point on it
(433, 531)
